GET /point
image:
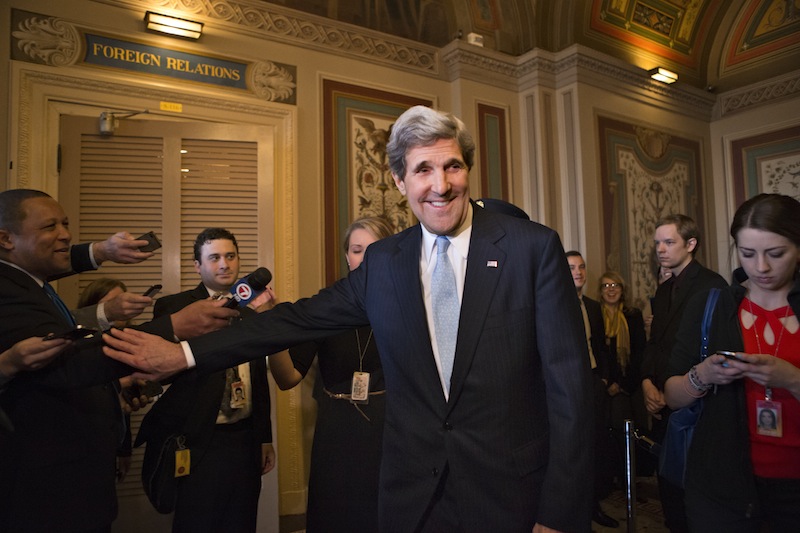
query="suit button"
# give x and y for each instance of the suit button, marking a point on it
(448, 426)
(435, 472)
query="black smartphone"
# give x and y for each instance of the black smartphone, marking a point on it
(149, 389)
(153, 243)
(79, 332)
(730, 355)
(153, 290)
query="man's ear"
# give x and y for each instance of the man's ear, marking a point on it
(197, 266)
(6, 240)
(691, 244)
(401, 185)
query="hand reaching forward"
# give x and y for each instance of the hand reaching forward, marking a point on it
(122, 248)
(126, 306)
(202, 317)
(155, 357)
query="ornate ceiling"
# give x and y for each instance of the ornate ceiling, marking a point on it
(712, 44)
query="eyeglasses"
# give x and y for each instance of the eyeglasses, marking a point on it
(610, 285)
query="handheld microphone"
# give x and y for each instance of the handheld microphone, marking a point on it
(247, 288)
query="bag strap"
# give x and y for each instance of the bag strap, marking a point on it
(711, 302)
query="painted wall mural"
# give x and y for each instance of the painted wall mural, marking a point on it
(646, 174)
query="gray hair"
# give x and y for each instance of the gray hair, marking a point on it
(423, 126)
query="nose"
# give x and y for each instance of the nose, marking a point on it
(762, 265)
(439, 183)
(64, 234)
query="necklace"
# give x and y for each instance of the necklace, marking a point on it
(768, 390)
(362, 353)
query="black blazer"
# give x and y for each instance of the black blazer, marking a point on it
(193, 391)
(57, 469)
(667, 318)
(516, 433)
(598, 336)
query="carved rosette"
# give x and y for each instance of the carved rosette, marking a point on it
(270, 82)
(48, 40)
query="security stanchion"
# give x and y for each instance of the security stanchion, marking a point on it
(630, 475)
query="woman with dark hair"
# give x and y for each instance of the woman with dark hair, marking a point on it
(346, 453)
(626, 340)
(739, 475)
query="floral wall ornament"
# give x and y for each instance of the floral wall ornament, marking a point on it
(45, 40)
(273, 82)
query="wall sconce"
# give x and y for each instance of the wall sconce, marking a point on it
(663, 75)
(173, 25)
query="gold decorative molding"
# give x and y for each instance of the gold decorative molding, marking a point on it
(302, 29)
(758, 94)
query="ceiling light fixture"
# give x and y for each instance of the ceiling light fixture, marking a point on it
(663, 75)
(173, 25)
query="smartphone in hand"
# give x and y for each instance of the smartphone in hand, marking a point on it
(153, 290)
(730, 355)
(79, 332)
(153, 243)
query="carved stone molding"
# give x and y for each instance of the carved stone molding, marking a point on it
(754, 95)
(48, 40)
(303, 29)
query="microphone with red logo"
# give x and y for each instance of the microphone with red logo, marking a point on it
(249, 287)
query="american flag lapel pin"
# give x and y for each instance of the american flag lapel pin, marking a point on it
(492, 263)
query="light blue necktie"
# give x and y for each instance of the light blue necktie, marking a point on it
(59, 303)
(444, 298)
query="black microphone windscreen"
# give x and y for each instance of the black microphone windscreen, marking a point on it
(260, 278)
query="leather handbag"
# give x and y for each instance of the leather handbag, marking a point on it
(158, 471)
(680, 427)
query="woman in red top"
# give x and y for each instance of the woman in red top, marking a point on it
(743, 467)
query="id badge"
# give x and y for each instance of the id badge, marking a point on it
(183, 460)
(238, 399)
(359, 393)
(769, 418)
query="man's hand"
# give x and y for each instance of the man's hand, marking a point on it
(30, 354)
(131, 397)
(202, 317)
(155, 357)
(653, 398)
(539, 528)
(264, 301)
(267, 457)
(126, 306)
(121, 247)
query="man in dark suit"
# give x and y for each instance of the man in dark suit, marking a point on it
(57, 468)
(599, 359)
(502, 439)
(229, 436)
(676, 241)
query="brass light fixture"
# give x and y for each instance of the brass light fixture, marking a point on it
(173, 25)
(663, 75)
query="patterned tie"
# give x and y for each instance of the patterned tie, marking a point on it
(445, 308)
(59, 303)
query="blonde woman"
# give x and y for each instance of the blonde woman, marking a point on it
(626, 339)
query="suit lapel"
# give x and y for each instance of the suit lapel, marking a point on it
(485, 263)
(405, 275)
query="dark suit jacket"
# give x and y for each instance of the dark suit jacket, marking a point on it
(57, 469)
(193, 391)
(667, 318)
(598, 336)
(516, 432)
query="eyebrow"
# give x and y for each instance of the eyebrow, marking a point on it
(449, 162)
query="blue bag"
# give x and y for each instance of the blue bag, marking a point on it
(680, 427)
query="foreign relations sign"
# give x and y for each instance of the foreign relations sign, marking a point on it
(150, 59)
(59, 42)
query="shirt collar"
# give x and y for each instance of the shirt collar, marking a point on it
(459, 239)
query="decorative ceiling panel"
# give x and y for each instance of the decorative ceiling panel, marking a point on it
(764, 28)
(674, 29)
